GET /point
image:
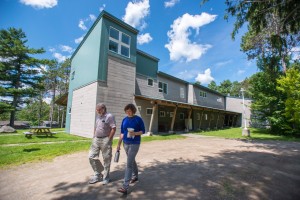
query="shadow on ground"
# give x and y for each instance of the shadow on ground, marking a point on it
(226, 175)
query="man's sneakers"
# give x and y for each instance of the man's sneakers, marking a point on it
(105, 182)
(95, 179)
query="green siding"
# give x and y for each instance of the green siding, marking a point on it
(105, 40)
(90, 59)
(146, 65)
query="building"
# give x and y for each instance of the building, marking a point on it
(107, 67)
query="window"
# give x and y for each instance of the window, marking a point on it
(162, 113)
(219, 100)
(119, 42)
(205, 116)
(171, 114)
(149, 111)
(202, 94)
(70, 109)
(73, 75)
(198, 116)
(162, 87)
(139, 108)
(182, 92)
(150, 82)
(181, 116)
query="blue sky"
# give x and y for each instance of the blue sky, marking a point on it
(192, 42)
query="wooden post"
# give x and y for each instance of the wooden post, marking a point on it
(173, 121)
(152, 119)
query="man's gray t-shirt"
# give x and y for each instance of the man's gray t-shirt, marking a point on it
(104, 124)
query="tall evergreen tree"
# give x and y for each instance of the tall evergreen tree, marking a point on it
(19, 71)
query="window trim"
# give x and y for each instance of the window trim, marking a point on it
(147, 111)
(162, 113)
(119, 42)
(162, 89)
(181, 92)
(152, 82)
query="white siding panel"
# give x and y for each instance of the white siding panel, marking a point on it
(83, 111)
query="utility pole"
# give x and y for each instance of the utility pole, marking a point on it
(246, 131)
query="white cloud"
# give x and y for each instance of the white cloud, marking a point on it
(52, 49)
(40, 4)
(205, 78)
(81, 25)
(144, 38)
(241, 72)
(92, 17)
(135, 13)
(180, 46)
(220, 64)
(171, 3)
(78, 40)
(102, 8)
(187, 74)
(59, 57)
(66, 48)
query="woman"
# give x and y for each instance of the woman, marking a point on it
(132, 128)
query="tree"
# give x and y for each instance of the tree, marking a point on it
(19, 72)
(268, 103)
(290, 85)
(56, 83)
(212, 85)
(273, 33)
(31, 112)
(225, 87)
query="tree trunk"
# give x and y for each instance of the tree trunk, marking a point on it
(62, 118)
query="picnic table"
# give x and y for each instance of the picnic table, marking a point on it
(39, 130)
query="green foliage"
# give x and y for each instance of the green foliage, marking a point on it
(255, 134)
(289, 84)
(232, 88)
(212, 85)
(273, 33)
(34, 112)
(268, 103)
(19, 72)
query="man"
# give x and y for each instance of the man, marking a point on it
(105, 128)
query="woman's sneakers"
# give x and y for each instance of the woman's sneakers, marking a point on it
(122, 190)
(133, 180)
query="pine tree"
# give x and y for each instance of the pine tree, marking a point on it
(19, 71)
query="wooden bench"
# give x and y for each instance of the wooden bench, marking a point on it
(28, 134)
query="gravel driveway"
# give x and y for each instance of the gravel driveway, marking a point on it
(197, 167)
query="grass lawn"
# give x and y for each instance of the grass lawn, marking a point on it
(16, 149)
(255, 134)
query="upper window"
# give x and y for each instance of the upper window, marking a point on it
(202, 94)
(73, 75)
(150, 82)
(182, 92)
(119, 42)
(162, 87)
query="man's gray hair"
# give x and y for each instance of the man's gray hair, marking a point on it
(101, 105)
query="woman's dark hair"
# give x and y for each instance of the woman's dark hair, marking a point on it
(130, 107)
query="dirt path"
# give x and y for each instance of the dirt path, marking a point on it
(193, 168)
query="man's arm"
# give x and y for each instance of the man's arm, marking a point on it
(112, 133)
